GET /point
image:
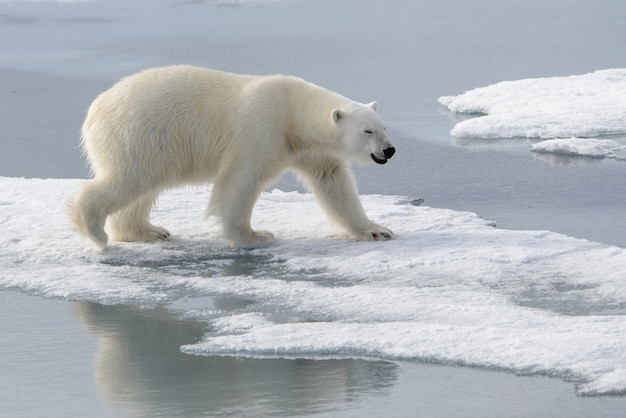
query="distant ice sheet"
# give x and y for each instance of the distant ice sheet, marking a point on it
(586, 105)
(450, 288)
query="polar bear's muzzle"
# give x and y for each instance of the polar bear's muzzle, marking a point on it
(387, 152)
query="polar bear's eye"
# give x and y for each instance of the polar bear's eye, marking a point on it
(368, 131)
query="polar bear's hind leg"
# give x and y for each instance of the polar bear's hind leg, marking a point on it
(97, 199)
(132, 222)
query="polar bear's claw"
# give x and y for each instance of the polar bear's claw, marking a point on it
(150, 233)
(157, 233)
(381, 236)
(372, 233)
(257, 239)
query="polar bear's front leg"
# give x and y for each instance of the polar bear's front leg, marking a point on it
(334, 187)
(232, 200)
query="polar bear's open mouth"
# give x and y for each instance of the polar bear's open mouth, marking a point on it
(378, 160)
(387, 154)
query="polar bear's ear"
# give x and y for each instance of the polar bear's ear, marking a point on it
(373, 105)
(337, 115)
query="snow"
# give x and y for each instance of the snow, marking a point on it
(584, 106)
(450, 289)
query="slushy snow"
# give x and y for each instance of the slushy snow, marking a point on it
(580, 106)
(450, 289)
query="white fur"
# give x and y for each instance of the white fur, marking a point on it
(170, 126)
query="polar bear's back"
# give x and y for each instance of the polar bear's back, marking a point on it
(163, 117)
(178, 124)
(167, 92)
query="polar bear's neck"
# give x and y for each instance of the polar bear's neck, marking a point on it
(310, 108)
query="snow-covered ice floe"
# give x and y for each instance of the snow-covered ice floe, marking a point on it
(582, 106)
(584, 147)
(450, 289)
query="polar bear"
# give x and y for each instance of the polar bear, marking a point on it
(169, 126)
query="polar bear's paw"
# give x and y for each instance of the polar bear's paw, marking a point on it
(257, 239)
(372, 232)
(148, 234)
(155, 233)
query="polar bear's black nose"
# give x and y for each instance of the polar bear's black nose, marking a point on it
(389, 152)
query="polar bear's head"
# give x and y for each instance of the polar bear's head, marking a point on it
(362, 133)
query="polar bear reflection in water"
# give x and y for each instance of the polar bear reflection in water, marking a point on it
(141, 371)
(171, 126)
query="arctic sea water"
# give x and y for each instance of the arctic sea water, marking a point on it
(190, 328)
